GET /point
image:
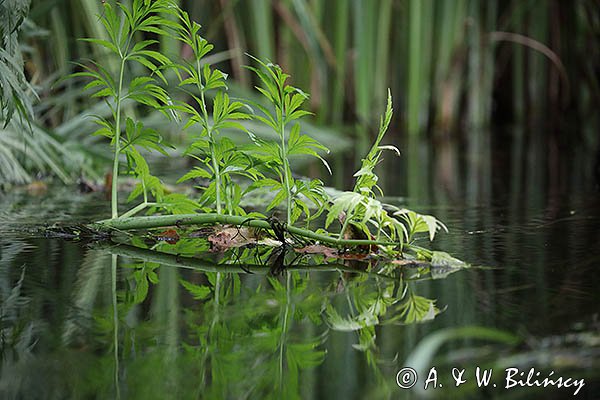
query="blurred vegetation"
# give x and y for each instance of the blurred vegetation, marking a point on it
(26, 143)
(13, 84)
(452, 66)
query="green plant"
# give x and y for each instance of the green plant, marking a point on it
(219, 155)
(15, 91)
(38, 150)
(122, 29)
(266, 163)
(26, 145)
(419, 223)
(361, 208)
(286, 104)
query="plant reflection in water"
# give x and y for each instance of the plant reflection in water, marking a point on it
(253, 320)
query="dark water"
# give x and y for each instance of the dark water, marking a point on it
(97, 321)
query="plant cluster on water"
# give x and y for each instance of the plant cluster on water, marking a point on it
(223, 164)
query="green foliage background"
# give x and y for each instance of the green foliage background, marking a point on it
(453, 67)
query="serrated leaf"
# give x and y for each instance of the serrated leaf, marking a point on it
(279, 198)
(195, 173)
(198, 292)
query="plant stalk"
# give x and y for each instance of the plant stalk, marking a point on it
(137, 209)
(344, 226)
(115, 176)
(215, 162)
(286, 167)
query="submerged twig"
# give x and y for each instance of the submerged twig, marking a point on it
(179, 261)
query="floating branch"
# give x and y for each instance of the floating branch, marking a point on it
(162, 221)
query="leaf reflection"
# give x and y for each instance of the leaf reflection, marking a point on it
(217, 325)
(249, 333)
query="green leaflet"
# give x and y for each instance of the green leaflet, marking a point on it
(219, 156)
(122, 24)
(198, 292)
(286, 102)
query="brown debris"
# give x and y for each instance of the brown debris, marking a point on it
(329, 252)
(233, 236)
(170, 236)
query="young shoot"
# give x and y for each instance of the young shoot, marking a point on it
(219, 155)
(286, 102)
(123, 25)
(361, 208)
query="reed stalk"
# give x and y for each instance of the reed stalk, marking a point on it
(261, 17)
(340, 42)
(415, 16)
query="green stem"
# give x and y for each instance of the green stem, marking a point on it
(115, 175)
(160, 221)
(114, 260)
(215, 164)
(344, 226)
(211, 142)
(145, 191)
(137, 209)
(286, 167)
(286, 176)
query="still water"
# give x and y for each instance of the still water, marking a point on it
(89, 320)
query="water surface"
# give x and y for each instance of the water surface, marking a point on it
(83, 320)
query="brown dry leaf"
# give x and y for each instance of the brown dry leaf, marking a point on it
(170, 236)
(229, 237)
(234, 236)
(319, 249)
(353, 256)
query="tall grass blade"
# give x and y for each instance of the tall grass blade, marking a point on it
(415, 74)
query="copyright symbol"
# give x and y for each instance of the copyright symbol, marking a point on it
(406, 378)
